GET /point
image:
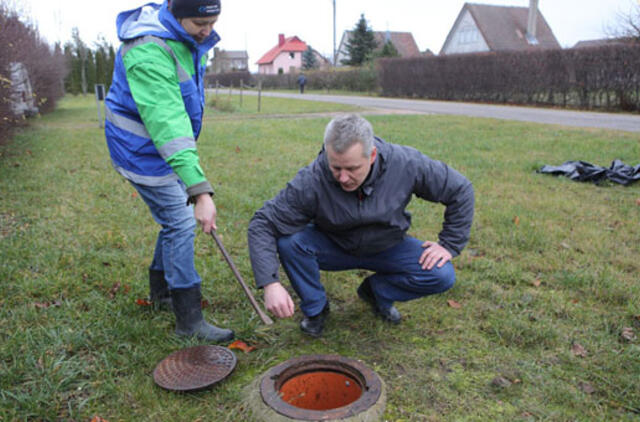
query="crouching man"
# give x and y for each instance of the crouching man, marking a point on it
(346, 210)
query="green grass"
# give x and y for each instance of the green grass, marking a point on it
(566, 274)
(246, 105)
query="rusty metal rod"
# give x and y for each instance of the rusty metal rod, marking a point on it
(263, 316)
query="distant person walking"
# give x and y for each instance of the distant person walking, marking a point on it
(154, 116)
(302, 80)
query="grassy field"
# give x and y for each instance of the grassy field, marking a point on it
(548, 287)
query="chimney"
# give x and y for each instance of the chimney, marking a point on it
(531, 22)
(280, 40)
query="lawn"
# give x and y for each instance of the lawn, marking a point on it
(542, 324)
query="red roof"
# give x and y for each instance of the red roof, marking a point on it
(286, 45)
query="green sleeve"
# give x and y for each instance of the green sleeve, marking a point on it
(155, 88)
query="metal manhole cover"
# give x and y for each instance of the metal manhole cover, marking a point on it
(194, 368)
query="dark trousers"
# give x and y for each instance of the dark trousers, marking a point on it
(398, 274)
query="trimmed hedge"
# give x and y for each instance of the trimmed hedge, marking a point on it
(588, 78)
(363, 79)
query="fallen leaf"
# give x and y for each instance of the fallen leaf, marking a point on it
(565, 245)
(638, 202)
(204, 303)
(241, 345)
(586, 387)
(126, 288)
(516, 220)
(114, 289)
(628, 334)
(574, 301)
(98, 419)
(578, 350)
(501, 382)
(237, 148)
(45, 305)
(454, 304)
(106, 264)
(134, 195)
(536, 282)
(143, 302)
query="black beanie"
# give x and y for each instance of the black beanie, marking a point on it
(194, 8)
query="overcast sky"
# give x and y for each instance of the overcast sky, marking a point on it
(254, 25)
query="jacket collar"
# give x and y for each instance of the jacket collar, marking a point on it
(156, 19)
(169, 21)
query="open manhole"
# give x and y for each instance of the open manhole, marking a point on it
(319, 387)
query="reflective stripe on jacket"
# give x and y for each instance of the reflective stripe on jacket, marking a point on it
(155, 104)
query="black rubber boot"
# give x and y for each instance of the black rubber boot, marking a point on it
(159, 293)
(189, 319)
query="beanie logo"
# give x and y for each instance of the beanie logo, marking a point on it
(212, 9)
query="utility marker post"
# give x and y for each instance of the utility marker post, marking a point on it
(99, 89)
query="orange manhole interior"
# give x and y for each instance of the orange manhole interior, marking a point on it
(320, 390)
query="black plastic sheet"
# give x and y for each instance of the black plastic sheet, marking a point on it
(581, 171)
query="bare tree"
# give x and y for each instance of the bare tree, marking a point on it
(627, 24)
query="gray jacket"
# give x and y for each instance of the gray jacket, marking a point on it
(367, 221)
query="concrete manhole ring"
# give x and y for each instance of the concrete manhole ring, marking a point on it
(317, 387)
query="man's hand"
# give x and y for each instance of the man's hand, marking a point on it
(277, 300)
(205, 212)
(433, 254)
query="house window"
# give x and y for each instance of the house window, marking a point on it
(292, 55)
(468, 35)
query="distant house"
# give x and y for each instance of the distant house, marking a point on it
(604, 42)
(285, 57)
(482, 27)
(229, 61)
(402, 41)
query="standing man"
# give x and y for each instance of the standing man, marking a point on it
(302, 81)
(154, 116)
(346, 210)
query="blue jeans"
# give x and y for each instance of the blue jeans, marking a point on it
(174, 246)
(398, 274)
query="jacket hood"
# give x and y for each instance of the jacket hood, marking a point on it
(156, 19)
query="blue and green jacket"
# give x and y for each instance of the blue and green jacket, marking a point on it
(155, 104)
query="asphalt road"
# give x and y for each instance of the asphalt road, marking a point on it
(616, 121)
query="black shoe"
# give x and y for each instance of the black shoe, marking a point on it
(159, 293)
(189, 319)
(390, 314)
(314, 325)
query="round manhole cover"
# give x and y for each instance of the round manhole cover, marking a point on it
(194, 368)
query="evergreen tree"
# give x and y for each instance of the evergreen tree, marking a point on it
(81, 53)
(72, 82)
(309, 59)
(90, 71)
(389, 50)
(361, 44)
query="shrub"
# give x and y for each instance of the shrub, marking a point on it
(601, 77)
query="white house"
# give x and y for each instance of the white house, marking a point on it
(483, 27)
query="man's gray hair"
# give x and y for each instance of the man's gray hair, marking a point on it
(344, 131)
